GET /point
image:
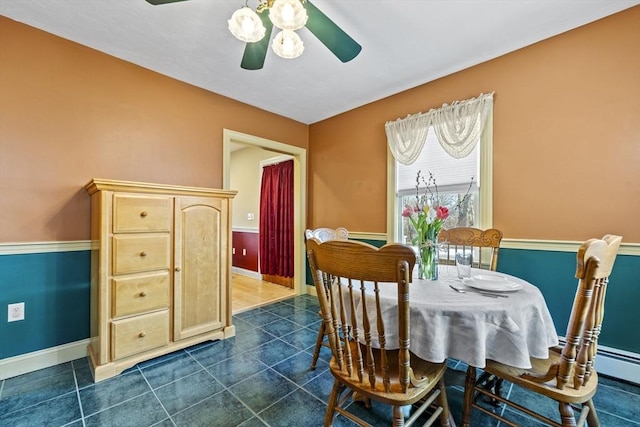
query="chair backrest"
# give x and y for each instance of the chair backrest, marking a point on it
(355, 271)
(595, 261)
(483, 244)
(324, 233)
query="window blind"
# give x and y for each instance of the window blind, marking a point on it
(452, 175)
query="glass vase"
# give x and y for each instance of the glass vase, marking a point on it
(428, 263)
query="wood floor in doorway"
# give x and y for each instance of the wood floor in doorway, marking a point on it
(249, 293)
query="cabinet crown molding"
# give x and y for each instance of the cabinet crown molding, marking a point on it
(98, 184)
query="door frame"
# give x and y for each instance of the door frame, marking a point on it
(299, 191)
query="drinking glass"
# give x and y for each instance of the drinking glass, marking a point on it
(463, 264)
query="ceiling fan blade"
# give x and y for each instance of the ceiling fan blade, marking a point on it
(332, 36)
(157, 2)
(255, 53)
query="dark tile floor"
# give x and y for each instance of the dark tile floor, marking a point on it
(259, 378)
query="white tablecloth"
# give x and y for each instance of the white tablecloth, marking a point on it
(471, 327)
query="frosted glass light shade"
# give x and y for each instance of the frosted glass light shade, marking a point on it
(246, 25)
(288, 14)
(287, 44)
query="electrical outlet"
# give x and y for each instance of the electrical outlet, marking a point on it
(15, 312)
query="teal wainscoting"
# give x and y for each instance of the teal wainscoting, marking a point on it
(554, 274)
(55, 288)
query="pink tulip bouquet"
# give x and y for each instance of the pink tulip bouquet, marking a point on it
(427, 217)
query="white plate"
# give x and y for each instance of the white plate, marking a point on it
(492, 283)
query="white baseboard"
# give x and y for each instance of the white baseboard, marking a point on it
(29, 362)
(311, 290)
(248, 273)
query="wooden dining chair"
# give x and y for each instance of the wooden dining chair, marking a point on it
(483, 244)
(323, 234)
(363, 363)
(567, 375)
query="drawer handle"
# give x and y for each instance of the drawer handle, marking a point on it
(178, 269)
(142, 334)
(143, 254)
(143, 294)
(143, 214)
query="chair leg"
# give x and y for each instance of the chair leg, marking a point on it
(446, 419)
(469, 384)
(316, 351)
(398, 416)
(592, 416)
(498, 389)
(331, 404)
(494, 385)
(567, 416)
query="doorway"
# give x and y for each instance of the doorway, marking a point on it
(231, 138)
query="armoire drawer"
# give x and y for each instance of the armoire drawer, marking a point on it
(137, 295)
(140, 214)
(139, 253)
(140, 333)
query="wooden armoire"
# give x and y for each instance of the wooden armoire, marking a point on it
(160, 270)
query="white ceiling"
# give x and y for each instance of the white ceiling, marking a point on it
(405, 43)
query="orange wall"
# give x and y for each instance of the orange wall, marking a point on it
(566, 139)
(69, 113)
(566, 135)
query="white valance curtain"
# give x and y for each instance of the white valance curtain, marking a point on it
(458, 127)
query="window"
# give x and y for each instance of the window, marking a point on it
(453, 179)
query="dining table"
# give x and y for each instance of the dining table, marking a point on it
(508, 324)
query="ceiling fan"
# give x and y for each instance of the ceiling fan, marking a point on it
(255, 27)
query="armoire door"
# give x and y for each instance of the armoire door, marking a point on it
(199, 265)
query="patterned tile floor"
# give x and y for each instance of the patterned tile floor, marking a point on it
(259, 378)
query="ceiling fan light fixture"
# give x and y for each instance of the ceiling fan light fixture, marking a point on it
(288, 14)
(246, 25)
(287, 44)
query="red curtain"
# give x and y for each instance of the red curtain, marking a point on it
(276, 220)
